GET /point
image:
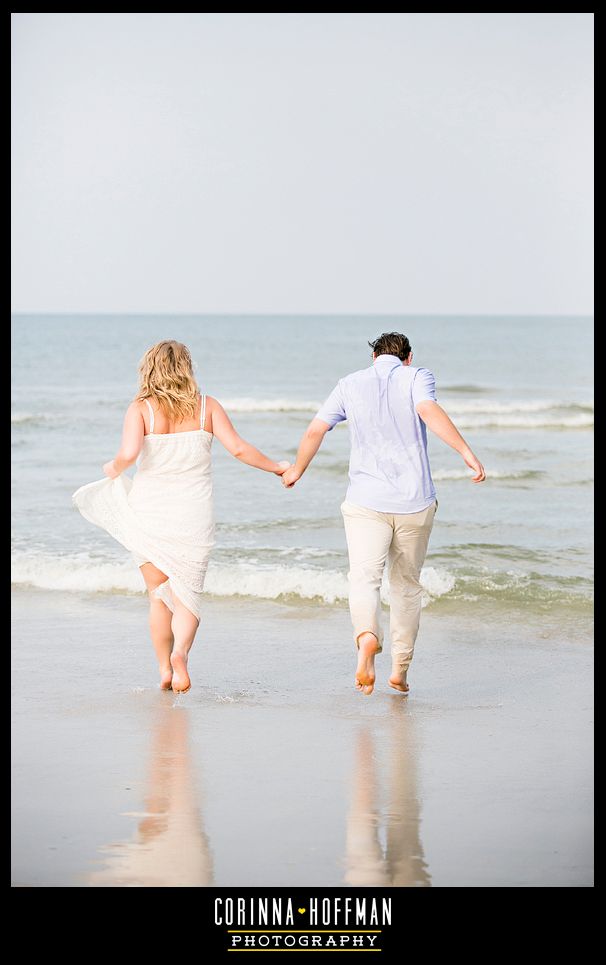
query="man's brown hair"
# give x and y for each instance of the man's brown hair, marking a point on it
(391, 343)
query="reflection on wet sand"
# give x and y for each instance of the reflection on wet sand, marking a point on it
(402, 863)
(170, 848)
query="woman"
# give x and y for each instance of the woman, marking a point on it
(164, 515)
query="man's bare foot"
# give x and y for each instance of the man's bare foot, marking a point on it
(398, 681)
(166, 676)
(368, 646)
(180, 682)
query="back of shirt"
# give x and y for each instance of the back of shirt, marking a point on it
(389, 467)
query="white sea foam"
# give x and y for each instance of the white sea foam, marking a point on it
(81, 575)
(443, 474)
(529, 405)
(269, 405)
(77, 574)
(276, 581)
(20, 418)
(512, 421)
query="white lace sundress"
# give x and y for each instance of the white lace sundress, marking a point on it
(164, 514)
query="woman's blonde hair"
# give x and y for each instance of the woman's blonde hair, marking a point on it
(166, 374)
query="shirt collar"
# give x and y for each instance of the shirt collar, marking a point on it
(388, 361)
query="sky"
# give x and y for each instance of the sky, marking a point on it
(302, 163)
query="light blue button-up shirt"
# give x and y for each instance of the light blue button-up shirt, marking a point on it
(388, 466)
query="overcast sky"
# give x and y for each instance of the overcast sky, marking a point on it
(286, 163)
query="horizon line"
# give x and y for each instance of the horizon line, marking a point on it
(310, 314)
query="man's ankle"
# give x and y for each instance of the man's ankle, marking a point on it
(367, 639)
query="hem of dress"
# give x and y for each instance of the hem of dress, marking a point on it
(164, 592)
(171, 584)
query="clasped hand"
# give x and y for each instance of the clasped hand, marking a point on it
(290, 477)
(288, 474)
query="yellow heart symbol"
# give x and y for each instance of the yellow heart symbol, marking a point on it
(301, 910)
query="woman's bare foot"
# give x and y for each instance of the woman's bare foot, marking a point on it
(166, 677)
(398, 681)
(368, 646)
(180, 682)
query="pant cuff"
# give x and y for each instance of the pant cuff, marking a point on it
(401, 661)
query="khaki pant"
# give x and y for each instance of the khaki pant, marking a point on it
(371, 538)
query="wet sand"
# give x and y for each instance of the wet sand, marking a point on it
(274, 772)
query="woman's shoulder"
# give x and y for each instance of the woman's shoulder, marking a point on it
(137, 409)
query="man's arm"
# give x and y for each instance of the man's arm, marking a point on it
(309, 445)
(438, 421)
(326, 418)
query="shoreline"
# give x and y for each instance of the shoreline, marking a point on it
(481, 777)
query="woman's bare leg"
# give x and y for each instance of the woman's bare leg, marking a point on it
(159, 623)
(184, 627)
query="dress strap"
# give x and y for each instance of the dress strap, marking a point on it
(151, 416)
(203, 416)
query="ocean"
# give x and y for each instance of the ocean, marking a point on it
(481, 777)
(519, 389)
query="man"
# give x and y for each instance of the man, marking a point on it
(391, 501)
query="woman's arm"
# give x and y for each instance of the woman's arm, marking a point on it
(225, 432)
(132, 439)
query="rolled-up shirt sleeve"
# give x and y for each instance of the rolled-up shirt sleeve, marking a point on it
(333, 410)
(424, 387)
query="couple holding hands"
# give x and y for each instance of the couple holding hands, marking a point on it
(164, 514)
